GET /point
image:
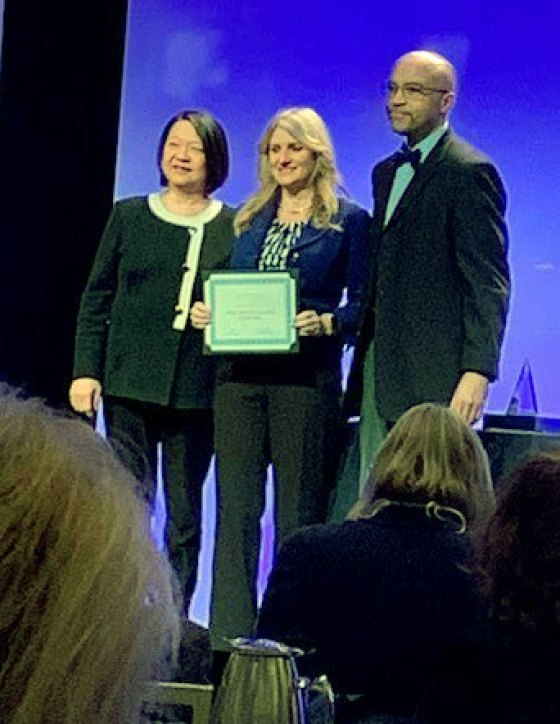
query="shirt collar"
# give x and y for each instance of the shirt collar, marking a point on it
(427, 145)
(158, 208)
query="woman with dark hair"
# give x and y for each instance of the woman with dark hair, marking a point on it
(508, 669)
(375, 598)
(285, 409)
(134, 342)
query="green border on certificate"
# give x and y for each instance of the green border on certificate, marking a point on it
(253, 312)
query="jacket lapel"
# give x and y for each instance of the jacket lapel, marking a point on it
(383, 183)
(218, 235)
(309, 235)
(250, 242)
(422, 177)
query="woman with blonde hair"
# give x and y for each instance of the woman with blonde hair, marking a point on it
(377, 597)
(87, 614)
(308, 129)
(284, 409)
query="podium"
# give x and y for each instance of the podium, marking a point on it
(508, 439)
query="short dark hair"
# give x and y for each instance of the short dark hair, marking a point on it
(520, 554)
(214, 143)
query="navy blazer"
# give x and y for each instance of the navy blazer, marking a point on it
(328, 261)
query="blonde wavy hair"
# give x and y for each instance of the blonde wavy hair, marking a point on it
(430, 456)
(309, 129)
(87, 611)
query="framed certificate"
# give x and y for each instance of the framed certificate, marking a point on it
(252, 312)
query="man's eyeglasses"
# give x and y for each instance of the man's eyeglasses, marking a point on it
(410, 91)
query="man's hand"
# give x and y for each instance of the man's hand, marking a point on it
(85, 394)
(469, 396)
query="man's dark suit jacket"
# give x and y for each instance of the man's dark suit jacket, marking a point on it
(439, 287)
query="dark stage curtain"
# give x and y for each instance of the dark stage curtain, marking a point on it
(60, 90)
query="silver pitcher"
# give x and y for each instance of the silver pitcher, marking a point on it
(261, 685)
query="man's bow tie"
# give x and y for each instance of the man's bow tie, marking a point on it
(406, 155)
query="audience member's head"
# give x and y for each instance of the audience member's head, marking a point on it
(520, 553)
(430, 455)
(86, 605)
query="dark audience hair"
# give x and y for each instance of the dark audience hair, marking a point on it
(430, 455)
(87, 610)
(520, 554)
(214, 143)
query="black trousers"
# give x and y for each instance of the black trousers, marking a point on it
(135, 429)
(296, 428)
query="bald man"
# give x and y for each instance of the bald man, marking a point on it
(440, 275)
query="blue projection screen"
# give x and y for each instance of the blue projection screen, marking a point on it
(245, 60)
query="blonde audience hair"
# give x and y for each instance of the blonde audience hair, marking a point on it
(87, 611)
(430, 457)
(309, 129)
